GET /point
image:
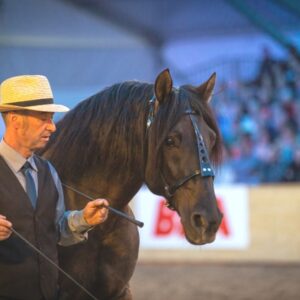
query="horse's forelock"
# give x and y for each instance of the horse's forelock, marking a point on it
(170, 112)
(202, 106)
(168, 115)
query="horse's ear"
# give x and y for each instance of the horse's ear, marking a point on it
(206, 89)
(163, 85)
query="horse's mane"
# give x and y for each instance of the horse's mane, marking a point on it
(108, 130)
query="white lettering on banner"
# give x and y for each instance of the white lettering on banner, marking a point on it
(163, 228)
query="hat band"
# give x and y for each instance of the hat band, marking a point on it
(32, 102)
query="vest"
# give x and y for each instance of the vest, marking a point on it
(24, 274)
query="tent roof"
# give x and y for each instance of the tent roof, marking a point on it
(166, 21)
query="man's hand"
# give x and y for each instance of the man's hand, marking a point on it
(95, 211)
(5, 228)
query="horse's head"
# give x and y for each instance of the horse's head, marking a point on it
(183, 140)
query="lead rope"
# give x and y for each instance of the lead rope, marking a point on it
(54, 264)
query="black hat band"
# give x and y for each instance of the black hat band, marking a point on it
(32, 102)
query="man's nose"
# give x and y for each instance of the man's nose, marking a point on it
(51, 126)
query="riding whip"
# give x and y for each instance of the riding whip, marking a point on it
(53, 264)
(117, 212)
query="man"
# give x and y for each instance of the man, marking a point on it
(31, 196)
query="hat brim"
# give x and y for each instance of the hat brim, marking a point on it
(43, 108)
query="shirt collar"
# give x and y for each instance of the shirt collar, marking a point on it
(14, 159)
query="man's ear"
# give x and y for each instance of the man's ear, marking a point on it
(14, 119)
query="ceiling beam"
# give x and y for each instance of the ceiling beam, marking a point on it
(292, 6)
(101, 9)
(259, 21)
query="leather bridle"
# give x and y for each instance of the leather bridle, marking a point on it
(205, 168)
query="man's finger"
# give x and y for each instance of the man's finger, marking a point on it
(4, 230)
(5, 223)
(100, 203)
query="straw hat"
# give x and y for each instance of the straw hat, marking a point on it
(28, 92)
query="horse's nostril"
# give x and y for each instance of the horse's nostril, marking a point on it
(199, 221)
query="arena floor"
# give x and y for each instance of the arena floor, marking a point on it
(216, 281)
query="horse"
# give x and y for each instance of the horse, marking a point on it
(109, 145)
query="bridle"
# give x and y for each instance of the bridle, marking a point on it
(205, 168)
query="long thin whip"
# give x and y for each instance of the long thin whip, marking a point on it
(117, 212)
(54, 264)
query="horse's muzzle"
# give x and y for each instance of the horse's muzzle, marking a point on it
(202, 230)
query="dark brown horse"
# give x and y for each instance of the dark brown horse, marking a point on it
(109, 145)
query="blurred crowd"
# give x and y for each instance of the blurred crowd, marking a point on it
(260, 123)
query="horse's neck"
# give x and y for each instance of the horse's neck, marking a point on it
(123, 182)
(118, 191)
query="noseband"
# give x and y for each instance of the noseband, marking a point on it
(205, 167)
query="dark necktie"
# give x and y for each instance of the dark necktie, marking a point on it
(30, 186)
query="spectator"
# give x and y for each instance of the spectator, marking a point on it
(260, 123)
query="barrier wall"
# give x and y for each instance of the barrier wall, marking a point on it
(271, 233)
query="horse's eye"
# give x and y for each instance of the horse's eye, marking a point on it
(170, 141)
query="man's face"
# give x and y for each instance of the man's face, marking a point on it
(35, 129)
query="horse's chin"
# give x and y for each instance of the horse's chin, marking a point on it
(201, 237)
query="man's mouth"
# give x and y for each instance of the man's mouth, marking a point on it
(45, 138)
